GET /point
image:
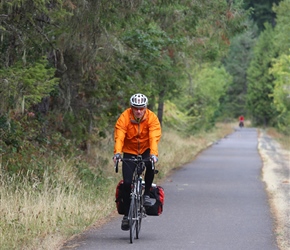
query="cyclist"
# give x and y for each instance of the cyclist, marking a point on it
(137, 132)
(241, 121)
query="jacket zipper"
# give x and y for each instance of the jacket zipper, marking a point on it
(138, 138)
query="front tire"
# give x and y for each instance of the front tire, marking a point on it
(140, 212)
(132, 216)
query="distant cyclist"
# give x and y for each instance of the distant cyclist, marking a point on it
(241, 121)
(137, 132)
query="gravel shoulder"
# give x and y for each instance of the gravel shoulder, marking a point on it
(276, 175)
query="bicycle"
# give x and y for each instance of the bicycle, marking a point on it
(136, 211)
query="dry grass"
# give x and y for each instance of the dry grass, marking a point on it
(283, 139)
(40, 219)
(33, 218)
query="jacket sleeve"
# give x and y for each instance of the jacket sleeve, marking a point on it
(154, 134)
(119, 134)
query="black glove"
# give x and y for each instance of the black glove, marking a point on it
(117, 157)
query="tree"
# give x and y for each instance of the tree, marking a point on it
(281, 92)
(237, 63)
(260, 81)
(25, 86)
(205, 34)
(262, 12)
(203, 100)
(281, 65)
(102, 51)
(282, 28)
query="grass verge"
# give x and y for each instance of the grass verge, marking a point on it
(283, 139)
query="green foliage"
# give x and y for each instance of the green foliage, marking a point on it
(28, 29)
(280, 68)
(265, 87)
(237, 63)
(75, 127)
(281, 93)
(148, 55)
(103, 52)
(177, 120)
(282, 28)
(262, 11)
(11, 135)
(25, 85)
(260, 81)
(208, 86)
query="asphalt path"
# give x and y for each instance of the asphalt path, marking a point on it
(216, 202)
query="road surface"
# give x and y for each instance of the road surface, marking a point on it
(216, 202)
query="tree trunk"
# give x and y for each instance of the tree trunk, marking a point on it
(161, 106)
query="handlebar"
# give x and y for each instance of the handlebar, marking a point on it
(116, 166)
(136, 159)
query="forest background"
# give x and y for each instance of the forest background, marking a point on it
(68, 68)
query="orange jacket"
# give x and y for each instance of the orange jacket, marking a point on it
(133, 137)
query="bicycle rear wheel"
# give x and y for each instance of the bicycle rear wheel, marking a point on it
(132, 216)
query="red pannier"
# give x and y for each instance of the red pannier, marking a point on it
(157, 198)
(119, 198)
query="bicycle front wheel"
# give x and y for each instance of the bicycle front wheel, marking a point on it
(140, 211)
(132, 216)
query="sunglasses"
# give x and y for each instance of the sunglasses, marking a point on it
(136, 109)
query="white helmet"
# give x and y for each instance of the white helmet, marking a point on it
(139, 100)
